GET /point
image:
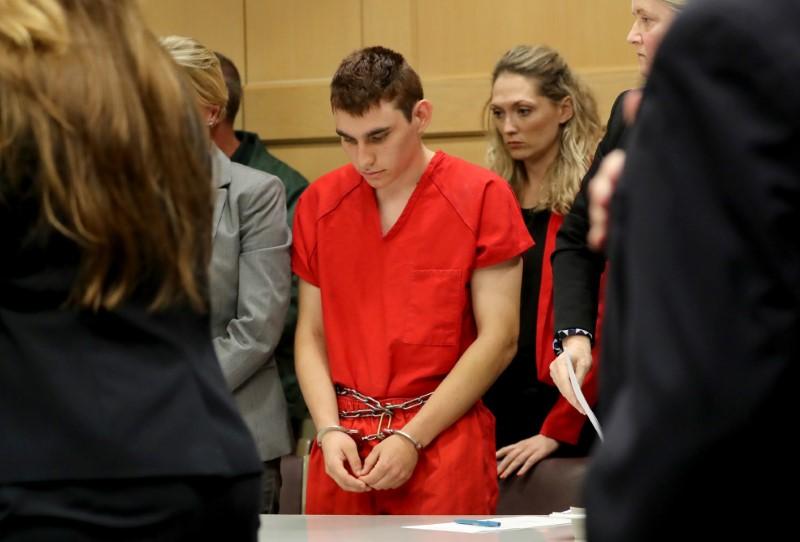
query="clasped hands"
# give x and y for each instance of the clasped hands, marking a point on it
(389, 465)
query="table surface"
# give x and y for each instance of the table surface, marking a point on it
(297, 528)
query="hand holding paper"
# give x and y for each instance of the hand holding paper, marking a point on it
(578, 353)
(576, 388)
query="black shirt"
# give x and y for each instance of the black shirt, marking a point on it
(518, 400)
(95, 395)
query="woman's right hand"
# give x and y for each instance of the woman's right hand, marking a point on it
(578, 348)
(338, 447)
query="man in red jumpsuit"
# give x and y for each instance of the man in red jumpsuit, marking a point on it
(409, 300)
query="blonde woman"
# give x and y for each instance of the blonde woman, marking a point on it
(542, 125)
(115, 420)
(250, 274)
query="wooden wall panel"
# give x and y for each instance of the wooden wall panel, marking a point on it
(292, 111)
(311, 159)
(313, 155)
(392, 23)
(287, 51)
(468, 36)
(217, 24)
(300, 39)
(289, 111)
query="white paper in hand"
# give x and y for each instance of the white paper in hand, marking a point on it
(573, 379)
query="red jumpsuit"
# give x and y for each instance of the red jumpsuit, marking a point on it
(398, 315)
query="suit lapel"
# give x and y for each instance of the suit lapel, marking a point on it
(222, 179)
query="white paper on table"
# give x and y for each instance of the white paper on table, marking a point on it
(506, 524)
(573, 379)
(568, 514)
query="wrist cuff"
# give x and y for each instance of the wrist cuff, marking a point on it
(562, 334)
(327, 429)
(417, 444)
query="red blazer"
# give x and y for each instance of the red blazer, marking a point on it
(563, 423)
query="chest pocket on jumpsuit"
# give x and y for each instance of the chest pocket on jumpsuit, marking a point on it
(434, 307)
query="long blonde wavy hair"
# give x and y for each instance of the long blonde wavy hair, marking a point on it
(579, 135)
(88, 99)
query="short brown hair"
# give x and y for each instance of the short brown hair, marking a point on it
(234, 83)
(372, 75)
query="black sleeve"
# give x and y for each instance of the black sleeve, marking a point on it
(577, 268)
(706, 250)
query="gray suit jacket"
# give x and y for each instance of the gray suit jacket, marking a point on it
(250, 281)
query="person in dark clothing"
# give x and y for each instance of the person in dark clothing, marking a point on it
(247, 148)
(578, 270)
(543, 124)
(116, 421)
(703, 316)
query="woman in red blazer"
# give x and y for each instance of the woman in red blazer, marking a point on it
(543, 125)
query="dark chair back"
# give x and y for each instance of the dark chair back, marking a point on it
(553, 485)
(291, 484)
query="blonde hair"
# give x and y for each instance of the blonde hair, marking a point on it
(579, 135)
(203, 68)
(87, 98)
(676, 5)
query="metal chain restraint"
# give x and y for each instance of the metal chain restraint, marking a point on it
(376, 409)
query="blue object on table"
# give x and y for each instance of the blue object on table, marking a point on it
(478, 522)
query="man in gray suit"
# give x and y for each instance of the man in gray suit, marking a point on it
(246, 148)
(250, 285)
